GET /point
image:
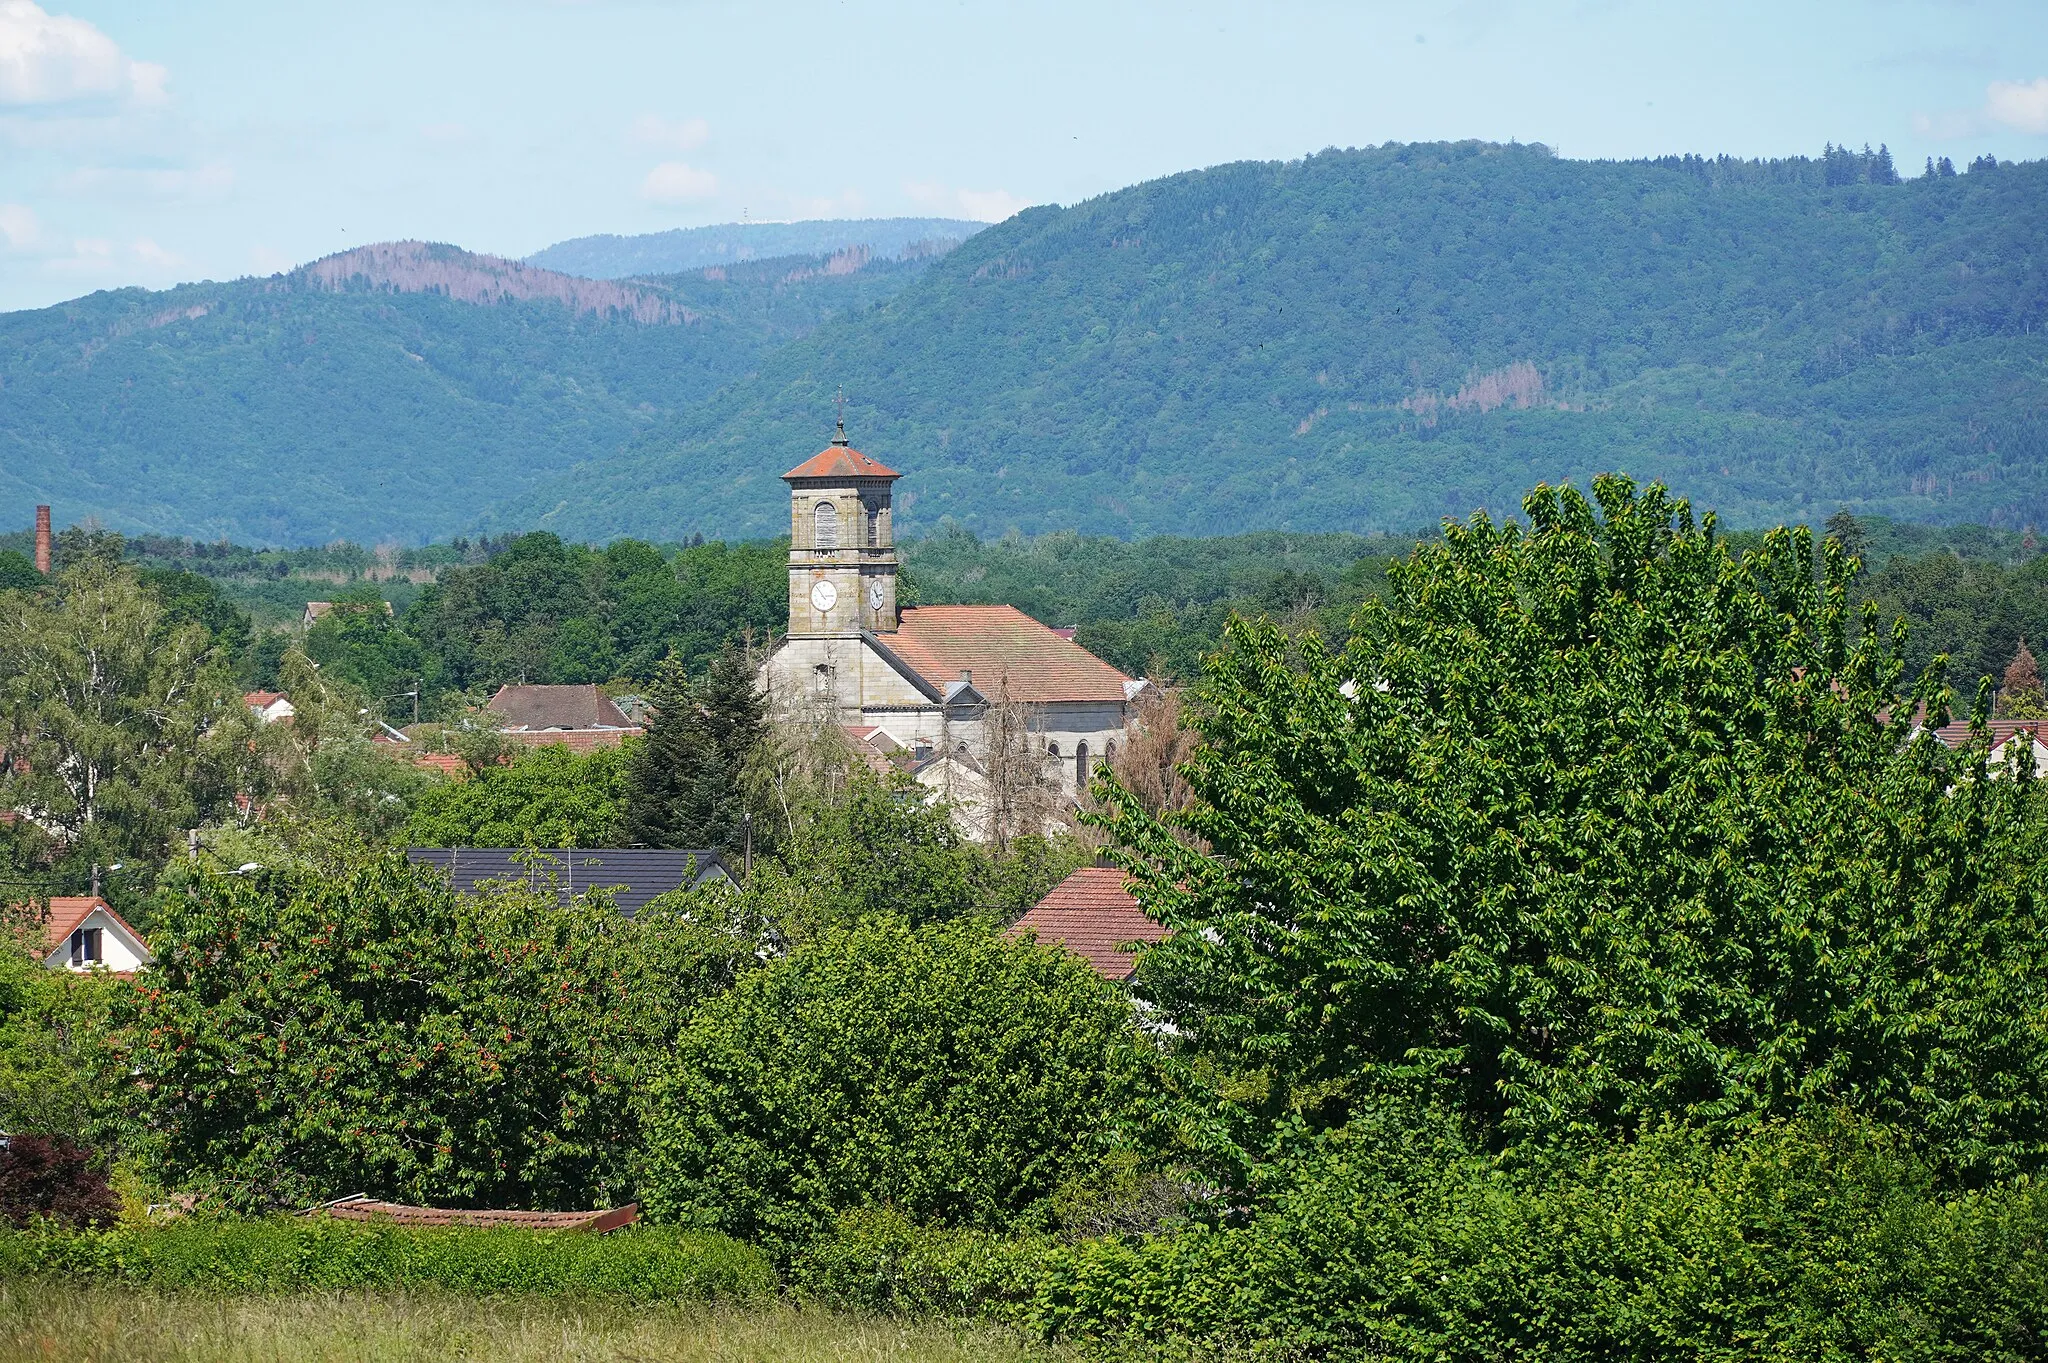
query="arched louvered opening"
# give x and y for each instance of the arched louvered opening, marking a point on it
(874, 527)
(824, 526)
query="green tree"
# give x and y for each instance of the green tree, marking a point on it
(546, 797)
(18, 573)
(688, 785)
(954, 1075)
(361, 645)
(59, 1073)
(358, 1027)
(104, 702)
(1597, 821)
(2021, 697)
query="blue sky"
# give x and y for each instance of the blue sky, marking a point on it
(149, 143)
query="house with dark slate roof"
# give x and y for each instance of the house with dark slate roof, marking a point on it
(632, 875)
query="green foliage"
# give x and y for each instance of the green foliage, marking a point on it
(547, 612)
(1593, 823)
(291, 1254)
(105, 700)
(957, 1076)
(877, 1259)
(1375, 338)
(359, 1028)
(545, 797)
(363, 647)
(887, 847)
(1816, 1240)
(58, 1075)
(18, 572)
(686, 779)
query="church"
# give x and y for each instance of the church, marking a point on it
(924, 676)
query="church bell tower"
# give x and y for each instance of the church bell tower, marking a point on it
(842, 548)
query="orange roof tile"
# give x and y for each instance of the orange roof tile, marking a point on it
(841, 461)
(1091, 913)
(999, 644)
(67, 911)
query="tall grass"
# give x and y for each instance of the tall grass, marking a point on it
(53, 1322)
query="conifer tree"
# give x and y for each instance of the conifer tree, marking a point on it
(685, 788)
(1844, 529)
(2021, 697)
(661, 788)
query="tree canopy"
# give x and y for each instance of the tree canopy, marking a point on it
(1593, 822)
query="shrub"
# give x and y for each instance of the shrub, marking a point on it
(1811, 1240)
(307, 1035)
(950, 1073)
(877, 1259)
(286, 1254)
(45, 1177)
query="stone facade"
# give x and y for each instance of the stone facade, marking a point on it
(926, 676)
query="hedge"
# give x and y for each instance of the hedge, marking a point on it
(1800, 1241)
(284, 1254)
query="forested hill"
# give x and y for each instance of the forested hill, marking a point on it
(394, 392)
(1371, 339)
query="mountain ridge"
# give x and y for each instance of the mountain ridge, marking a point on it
(1283, 344)
(610, 256)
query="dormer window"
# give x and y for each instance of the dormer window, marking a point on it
(86, 948)
(824, 526)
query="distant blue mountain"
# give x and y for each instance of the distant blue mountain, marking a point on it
(693, 248)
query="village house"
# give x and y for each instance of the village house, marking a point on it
(926, 676)
(1092, 914)
(578, 717)
(83, 933)
(633, 875)
(268, 706)
(316, 609)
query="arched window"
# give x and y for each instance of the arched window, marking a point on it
(825, 526)
(1109, 751)
(1081, 765)
(1052, 749)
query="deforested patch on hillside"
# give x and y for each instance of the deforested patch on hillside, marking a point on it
(426, 267)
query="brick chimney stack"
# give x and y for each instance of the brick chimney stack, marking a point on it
(43, 540)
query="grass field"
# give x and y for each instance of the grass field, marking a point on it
(72, 1324)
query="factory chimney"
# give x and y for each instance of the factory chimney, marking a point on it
(43, 540)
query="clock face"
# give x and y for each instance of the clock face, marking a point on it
(824, 596)
(874, 596)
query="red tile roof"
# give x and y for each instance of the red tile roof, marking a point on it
(1957, 733)
(841, 461)
(67, 911)
(261, 699)
(575, 740)
(557, 707)
(1092, 914)
(999, 643)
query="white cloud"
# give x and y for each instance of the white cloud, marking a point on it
(672, 182)
(202, 182)
(2019, 104)
(53, 59)
(18, 224)
(980, 205)
(680, 135)
(100, 258)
